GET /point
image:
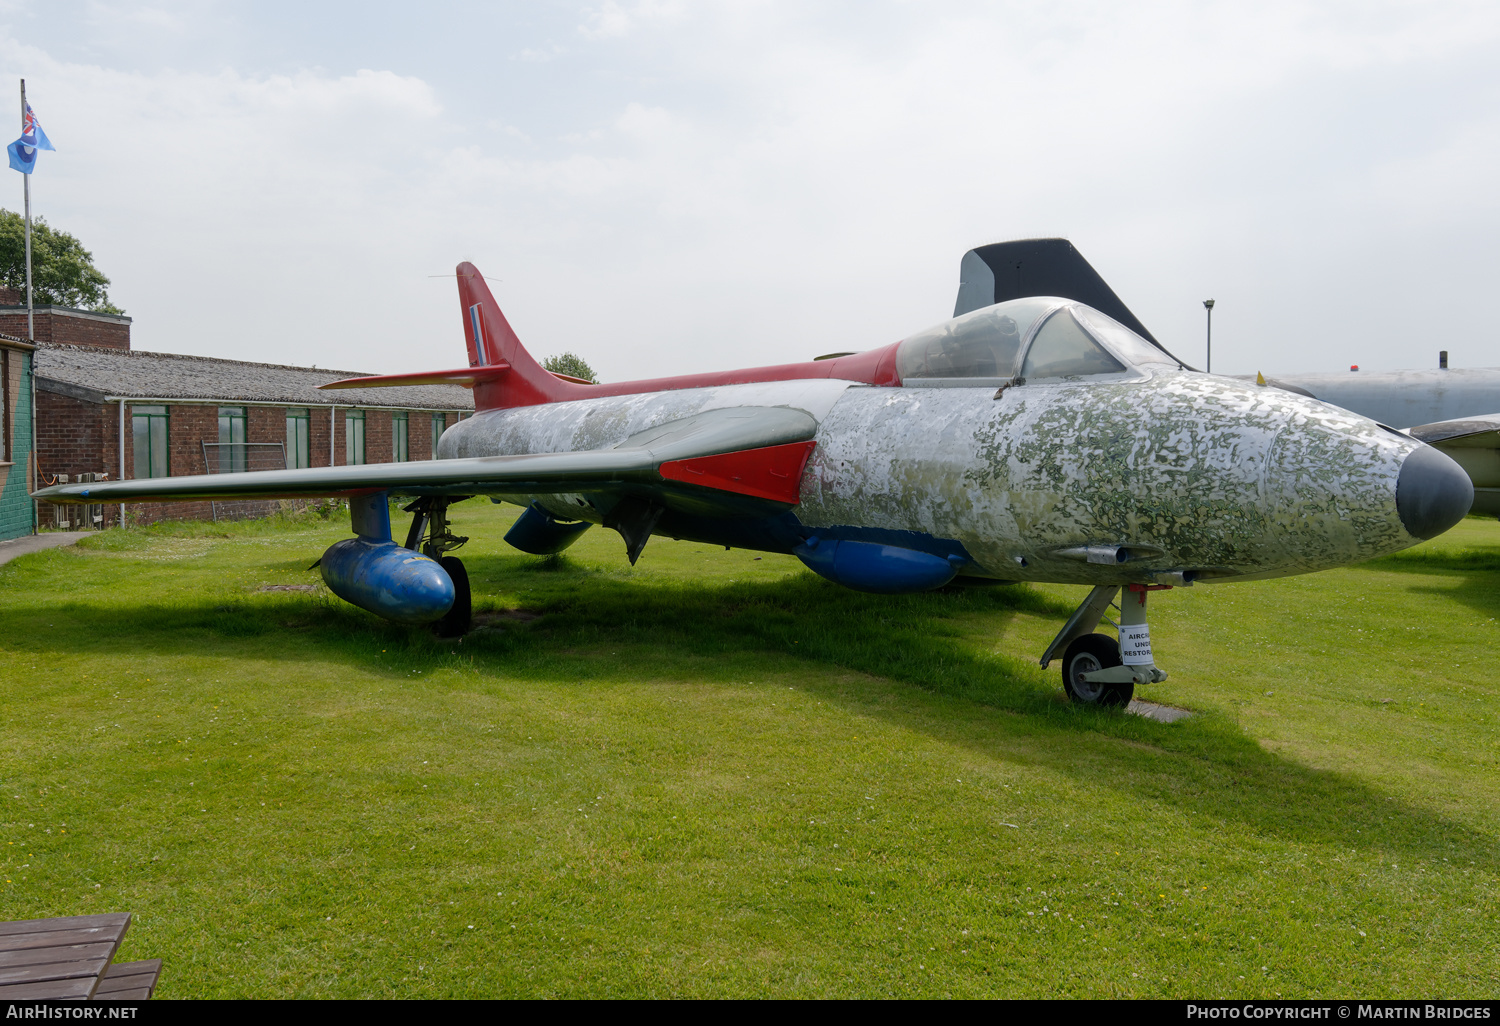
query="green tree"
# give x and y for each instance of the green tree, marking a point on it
(62, 271)
(572, 365)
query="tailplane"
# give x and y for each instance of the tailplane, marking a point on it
(501, 372)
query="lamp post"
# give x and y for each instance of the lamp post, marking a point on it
(1208, 364)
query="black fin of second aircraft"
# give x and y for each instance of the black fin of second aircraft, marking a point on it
(1038, 267)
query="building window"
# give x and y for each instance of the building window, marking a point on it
(149, 428)
(399, 448)
(298, 444)
(231, 439)
(439, 425)
(354, 437)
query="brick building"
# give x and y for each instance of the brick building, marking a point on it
(62, 323)
(15, 436)
(118, 413)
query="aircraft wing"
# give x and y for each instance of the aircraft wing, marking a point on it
(716, 461)
(1481, 430)
(1474, 444)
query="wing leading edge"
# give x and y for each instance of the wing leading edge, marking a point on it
(744, 454)
(1474, 443)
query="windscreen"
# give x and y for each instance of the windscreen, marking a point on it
(1120, 338)
(1062, 349)
(982, 344)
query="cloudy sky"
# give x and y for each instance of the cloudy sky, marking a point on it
(667, 186)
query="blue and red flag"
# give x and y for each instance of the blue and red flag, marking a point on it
(23, 150)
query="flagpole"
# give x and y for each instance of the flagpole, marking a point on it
(26, 185)
(36, 507)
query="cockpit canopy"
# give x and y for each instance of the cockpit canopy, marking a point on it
(1037, 338)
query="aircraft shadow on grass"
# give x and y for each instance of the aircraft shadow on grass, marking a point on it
(1478, 566)
(1205, 767)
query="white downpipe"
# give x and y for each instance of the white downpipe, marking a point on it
(122, 458)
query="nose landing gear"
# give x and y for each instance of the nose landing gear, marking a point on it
(1097, 669)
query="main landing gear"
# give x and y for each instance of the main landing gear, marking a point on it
(1097, 669)
(430, 517)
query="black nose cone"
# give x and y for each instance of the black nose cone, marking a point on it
(1432, 493)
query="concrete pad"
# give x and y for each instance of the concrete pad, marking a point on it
(27, 544)
(1159, 713)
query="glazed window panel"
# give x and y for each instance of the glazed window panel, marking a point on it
(981, 344)
(399, 448)
(1121, 339)
(149, 434)
(1062, 349)
(298, 439)
(231, 439)
(439, 425)
(354, 437)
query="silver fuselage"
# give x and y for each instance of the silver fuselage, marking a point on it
(1191, 471)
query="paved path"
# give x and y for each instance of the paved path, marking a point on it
(27, 544)
(1155, 711)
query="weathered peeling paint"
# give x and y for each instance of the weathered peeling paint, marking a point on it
(608, 422)
(603, 423)
(1225, 479)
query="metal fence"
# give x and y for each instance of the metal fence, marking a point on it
(236, 457)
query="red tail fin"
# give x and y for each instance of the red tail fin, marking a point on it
(492, 341)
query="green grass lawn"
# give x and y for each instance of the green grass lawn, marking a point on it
(714, 774)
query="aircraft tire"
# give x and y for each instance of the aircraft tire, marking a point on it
(456, 622)
(1085, 655)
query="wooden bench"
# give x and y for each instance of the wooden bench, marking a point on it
(129, 981)
(69, 959)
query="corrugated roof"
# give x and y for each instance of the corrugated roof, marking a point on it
(131, 373)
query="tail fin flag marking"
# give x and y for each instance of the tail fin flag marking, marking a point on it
(477, 324)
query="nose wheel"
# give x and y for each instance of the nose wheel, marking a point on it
(1097, 669)
(1085, 657)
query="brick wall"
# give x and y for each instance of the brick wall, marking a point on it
(340, 434)
(71, 437)
(58, 324)
(419, 435)
(317, 437)
(378, 436)
(86, 331)
(13, 323)
(77, 436)
(266, 424)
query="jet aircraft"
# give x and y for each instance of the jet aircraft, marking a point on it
(1036, 438)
